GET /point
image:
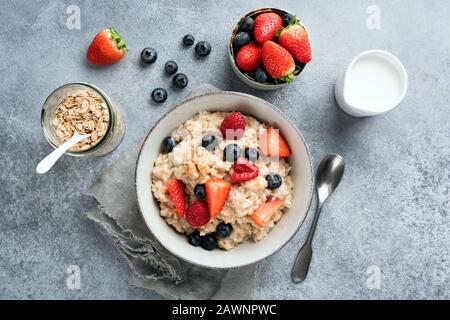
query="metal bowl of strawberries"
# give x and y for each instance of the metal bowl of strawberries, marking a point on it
(269, 48)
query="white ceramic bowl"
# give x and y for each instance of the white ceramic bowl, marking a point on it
(245, 253)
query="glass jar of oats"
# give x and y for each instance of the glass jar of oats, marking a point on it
(82, 108)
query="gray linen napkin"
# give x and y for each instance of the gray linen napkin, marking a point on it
(153, 267)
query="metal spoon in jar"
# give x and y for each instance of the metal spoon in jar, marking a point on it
(328, 176)
(51, 159)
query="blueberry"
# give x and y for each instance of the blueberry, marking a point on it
(209, 242)
(188, 40)
(159, 95)
(209, 142)
(231, 152)
(180, 80)
(200, 191)
(203, 48)
(287, 17)
(168, 144)
(149, 55)
(195, 239)
(261, 75)
(224, 230)
(171, 67)
(274, 181)
(247, 24)
(241, 39)
(251, 154)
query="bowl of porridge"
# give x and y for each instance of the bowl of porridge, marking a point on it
(224, 180)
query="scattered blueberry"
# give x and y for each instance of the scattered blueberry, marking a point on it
(188, 40)
(287, 17)
(274, 181)
(251, 154)
(149, 55)
(180, 80)
(168, 144)
(261, 75)
(231, 152)
(200, 191)
(241, 39)
(195, 239)
(224, 230)
(203, 48)
(209, 142)
(171, 67)
(159, 95)
(247, 24)
(209, 242)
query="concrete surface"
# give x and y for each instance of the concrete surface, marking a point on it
(391, 211)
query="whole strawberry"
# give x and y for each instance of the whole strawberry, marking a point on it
(233, 126)
(248, 57)
(107, 47)
(294, 39)
(266, 26)
(277, 61)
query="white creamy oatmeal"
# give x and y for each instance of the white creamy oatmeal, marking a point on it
(193, 164)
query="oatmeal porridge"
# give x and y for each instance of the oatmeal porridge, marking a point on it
(222, 179)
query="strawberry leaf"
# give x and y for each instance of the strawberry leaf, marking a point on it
(279, 31)
(294, 20)
(286, 79)
(121, 44)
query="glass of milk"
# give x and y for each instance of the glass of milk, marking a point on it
(374, 83)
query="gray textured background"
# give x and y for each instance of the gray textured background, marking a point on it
(392, 209)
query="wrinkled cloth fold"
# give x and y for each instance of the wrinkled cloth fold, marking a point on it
(152, 266)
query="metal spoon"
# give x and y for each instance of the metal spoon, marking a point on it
(51, 159)
(328, 176)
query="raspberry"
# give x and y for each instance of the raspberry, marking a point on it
(197, 214)
(244, 170)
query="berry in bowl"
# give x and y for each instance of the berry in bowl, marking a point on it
(224, 180)
(268, 48)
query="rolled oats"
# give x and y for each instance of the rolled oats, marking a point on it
(84, 112)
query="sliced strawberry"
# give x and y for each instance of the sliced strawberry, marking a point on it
(244, 170)
(272, 144)
(233, 126)
(295, 39)
(107, 47)
(263, 214)
(176, 192)
(266, 26)
(217, 191)
(278, 62)
(197, 214)
(248, 57)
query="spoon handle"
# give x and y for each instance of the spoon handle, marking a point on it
(303, 259)
(51, 159)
